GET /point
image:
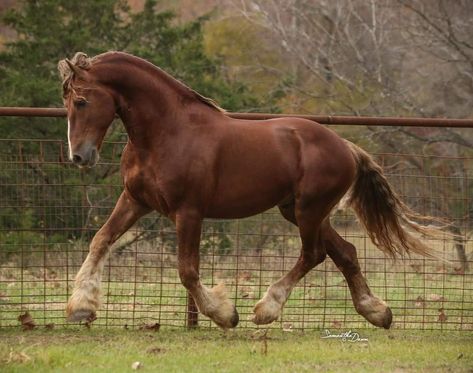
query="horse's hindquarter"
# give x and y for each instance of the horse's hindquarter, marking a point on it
(261, 163)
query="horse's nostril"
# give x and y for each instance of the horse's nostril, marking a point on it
(76, 158)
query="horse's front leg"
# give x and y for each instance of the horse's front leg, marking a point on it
(212, 302)
(85, 298)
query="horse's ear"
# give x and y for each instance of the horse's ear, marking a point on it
(77, 71)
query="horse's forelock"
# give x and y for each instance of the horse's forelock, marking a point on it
(80, 60)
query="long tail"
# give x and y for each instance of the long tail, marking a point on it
(388, 221)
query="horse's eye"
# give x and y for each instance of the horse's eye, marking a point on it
(80, 103)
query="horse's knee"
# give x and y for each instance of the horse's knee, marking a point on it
(189, 277)
(99, 245)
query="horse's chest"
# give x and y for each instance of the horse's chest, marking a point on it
(146, 188)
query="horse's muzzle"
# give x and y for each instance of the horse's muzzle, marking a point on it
(86, 157)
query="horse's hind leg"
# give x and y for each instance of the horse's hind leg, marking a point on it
(344, 256)
(213, 302)
(309, 220)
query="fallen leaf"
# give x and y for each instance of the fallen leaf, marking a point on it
(26, 321)
(137, 365)
(336, 324)
(287, 327)
(155, 350)
(153, 326)
(246, 292)
(420, 302)
(442, 316)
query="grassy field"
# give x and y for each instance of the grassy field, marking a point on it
(84, 350)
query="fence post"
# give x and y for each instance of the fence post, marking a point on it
(192, 312)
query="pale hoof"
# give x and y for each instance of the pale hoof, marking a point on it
(82, 306)
(227, 322)
(81, 315)
(266, 311)
(220, 309)
(376, 312)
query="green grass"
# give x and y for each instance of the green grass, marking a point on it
(83, 350)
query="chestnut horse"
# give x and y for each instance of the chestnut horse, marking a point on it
(188, 160)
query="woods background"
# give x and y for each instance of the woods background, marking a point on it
(355, 57)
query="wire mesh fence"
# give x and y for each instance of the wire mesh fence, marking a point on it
(49, 211)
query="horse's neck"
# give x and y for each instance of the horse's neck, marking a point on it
(142, 87)
(150, 102)
(153, 105)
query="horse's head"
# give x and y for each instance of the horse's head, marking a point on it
(90, 109)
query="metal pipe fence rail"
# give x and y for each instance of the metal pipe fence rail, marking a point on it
(322, 119)
(49, 210)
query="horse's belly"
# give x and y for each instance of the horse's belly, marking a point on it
(256, 171)
(247, 197)
(240, 209)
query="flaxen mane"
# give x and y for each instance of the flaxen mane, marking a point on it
(82, 61)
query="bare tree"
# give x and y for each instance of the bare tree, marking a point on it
(379, 57)
(375, 56)
(344, 53)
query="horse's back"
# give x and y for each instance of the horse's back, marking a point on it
(261, 163)
(296, 140)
